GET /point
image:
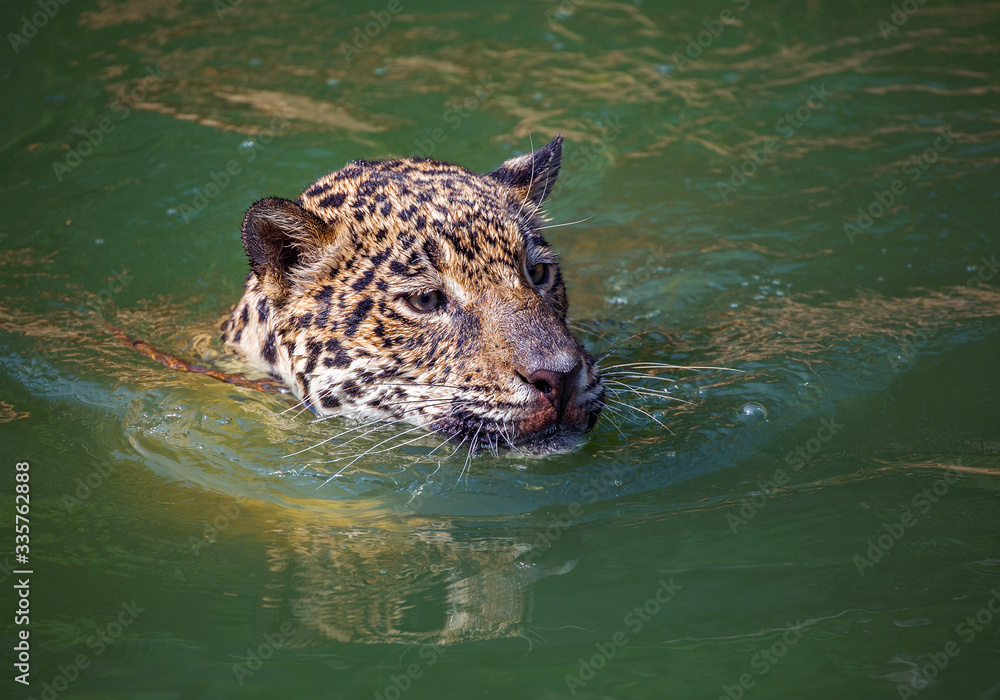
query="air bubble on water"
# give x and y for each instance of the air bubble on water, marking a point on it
(98, 241)
(332, 82)
(753, 413)
(247, 144)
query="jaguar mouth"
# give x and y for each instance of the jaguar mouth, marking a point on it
(481, 436)
(551, 441)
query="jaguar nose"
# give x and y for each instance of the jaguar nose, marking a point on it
(556, 387)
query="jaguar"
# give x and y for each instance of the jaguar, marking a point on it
(418, 292)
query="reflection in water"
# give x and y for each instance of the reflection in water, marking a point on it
(427, 586)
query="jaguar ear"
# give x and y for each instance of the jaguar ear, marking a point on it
(276, 232)
(533, 175)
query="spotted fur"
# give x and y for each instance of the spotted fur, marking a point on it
(333, 303)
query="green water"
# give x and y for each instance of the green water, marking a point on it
(821, 524)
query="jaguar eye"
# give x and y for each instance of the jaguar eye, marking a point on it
(539, 274)
(425, 302)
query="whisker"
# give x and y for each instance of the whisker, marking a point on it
(455, 452)
(636, 375)
(412, 385)
(510, 438)
(619, 413)
(663, 365)
(531, 178)
(372, 428)
(614, 425)
(293, 407)
(588, 327)
(429, 400)
(404, 444)
(445, 441)
(648, 392)
(569, 223)
(472, 449)
(305, 409)
(366, 452)
(649, 415)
